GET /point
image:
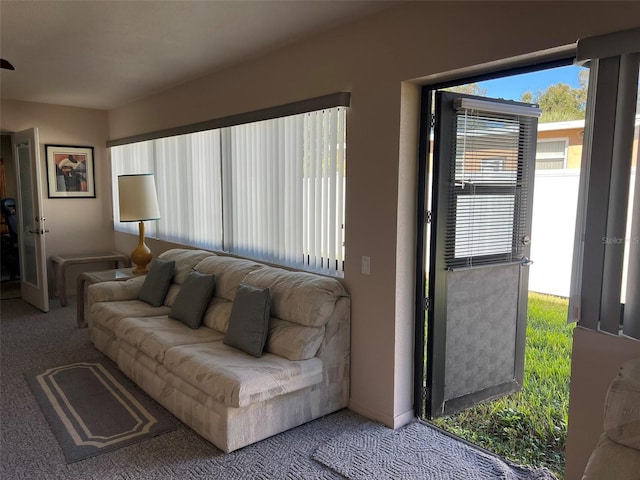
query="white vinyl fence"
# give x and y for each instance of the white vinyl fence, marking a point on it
(552, 234)
(555, 200)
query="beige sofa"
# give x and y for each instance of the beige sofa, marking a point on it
(230, 397)
(617, 454)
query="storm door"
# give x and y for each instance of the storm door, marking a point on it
(483, 157)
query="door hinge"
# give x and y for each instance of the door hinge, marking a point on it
(428, 216)
(427, 303)
(432, 120)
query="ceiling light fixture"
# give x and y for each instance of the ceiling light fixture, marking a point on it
(6, 64)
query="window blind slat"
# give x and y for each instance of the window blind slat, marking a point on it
(487, 188)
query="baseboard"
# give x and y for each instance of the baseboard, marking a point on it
(395, 421)
(404, 418)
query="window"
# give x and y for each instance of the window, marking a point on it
(272, 190)
(551, 154)
(492, 164)
(490, 187)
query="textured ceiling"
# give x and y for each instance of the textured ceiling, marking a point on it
(103, 54)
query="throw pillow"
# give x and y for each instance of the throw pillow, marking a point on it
(157, 282)
(193, 299)
(249, 320)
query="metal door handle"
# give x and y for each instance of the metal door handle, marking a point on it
(525, 262)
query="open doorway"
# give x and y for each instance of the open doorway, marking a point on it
(10, 263)
(520, 409)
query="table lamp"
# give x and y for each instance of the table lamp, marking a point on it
(138, 202)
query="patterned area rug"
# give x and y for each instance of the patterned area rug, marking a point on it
(416, 451)
(93, 408)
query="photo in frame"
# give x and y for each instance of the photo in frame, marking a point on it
(70, 171)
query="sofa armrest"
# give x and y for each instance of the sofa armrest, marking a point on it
(335, 353)
(610, 460)
(622, 406)
(115, 291)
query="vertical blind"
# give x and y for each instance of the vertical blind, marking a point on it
(607, 251)
(271, 190)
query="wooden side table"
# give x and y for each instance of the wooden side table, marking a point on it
(61, 262)
(88, 278)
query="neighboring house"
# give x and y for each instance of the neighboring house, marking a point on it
(559, 145)
(382, 60)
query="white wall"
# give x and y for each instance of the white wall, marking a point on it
(374, 59)
(76, 225)
(595, 361)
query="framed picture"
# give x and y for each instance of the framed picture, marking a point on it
(70, 172)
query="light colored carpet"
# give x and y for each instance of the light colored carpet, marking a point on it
(416, 451)
(31, 340)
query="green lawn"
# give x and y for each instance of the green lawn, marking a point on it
(529, 427)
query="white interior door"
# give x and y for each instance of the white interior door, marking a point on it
(31, 220)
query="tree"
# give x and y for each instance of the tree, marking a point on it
(561, 102)
(469, 89)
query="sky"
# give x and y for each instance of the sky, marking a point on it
(512, 88)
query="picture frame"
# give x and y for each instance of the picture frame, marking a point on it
(70, 171)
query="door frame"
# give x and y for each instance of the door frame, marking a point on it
(554, 58)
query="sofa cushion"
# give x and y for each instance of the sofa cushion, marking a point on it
(293, 341)
(237, 379)
(217, 314)
(249, 320)
(156, 283)
(611, 460)
(107, 315)
(186, 260)
(115, 291)
(193, 299)
(155, 335)
(229, 272)
(298, 297)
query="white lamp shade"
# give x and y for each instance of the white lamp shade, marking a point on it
(137, 198)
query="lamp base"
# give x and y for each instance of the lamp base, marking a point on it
(142, 255)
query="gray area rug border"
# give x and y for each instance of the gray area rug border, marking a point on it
(72, 452)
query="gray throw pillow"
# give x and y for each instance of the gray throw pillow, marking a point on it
(193, 298)
(157, 282)
(249, 320)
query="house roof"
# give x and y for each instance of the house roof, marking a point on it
(103, 54)
(567, 125)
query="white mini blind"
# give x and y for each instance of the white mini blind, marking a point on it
(489, 187)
